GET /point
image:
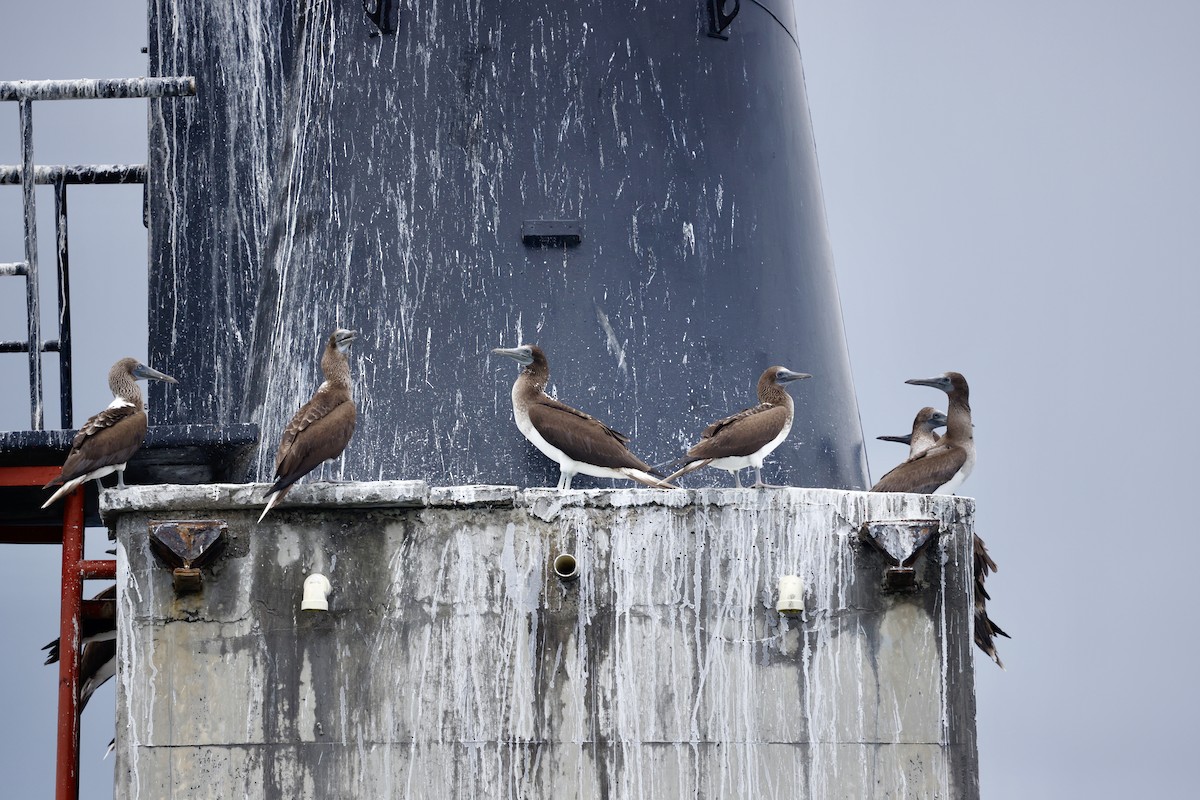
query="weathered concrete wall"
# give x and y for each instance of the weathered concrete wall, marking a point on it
(452, 663)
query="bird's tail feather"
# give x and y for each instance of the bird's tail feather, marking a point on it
(684, 470)
(647, 479)
(273, 499)
(63, 491)
(674, 462)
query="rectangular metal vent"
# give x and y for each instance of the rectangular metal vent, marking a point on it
(552, 232)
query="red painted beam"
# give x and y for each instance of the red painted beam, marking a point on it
(28, 476)
(67, 766)
(104, 569)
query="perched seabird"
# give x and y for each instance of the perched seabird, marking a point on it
(322, 427)
(924, 432)
(576, 441)
(749, 436)
(942, 468)
(106, 441)
(98, 660)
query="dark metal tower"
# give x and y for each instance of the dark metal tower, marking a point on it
(605, 179)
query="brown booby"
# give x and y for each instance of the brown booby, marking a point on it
(749, 436)
(924, 432)
(322, 427)
(942, 468)
(576, 441)
(106, 441)
(98, 660)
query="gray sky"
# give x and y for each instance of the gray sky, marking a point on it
(1011, 192)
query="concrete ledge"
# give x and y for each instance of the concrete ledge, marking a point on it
(663, 667)
(543, 503)
(473, 496)
(245, 496)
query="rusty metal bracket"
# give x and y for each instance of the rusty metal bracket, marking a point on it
(901, 541)
(185, 546)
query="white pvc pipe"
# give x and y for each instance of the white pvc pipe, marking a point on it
(316, 593)
(566, 567)
(791, 595)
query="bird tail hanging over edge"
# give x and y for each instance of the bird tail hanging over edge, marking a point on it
(63, 490)
(274, 496)
(985, 629)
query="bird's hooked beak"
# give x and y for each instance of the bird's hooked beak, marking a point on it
(146, 373)
(940, 382)
(787, 376)
(342, 339)
(522, 355)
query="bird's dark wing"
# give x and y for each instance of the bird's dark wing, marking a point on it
(550, 402)
(323, 402)
(741, 434)
(319, 431)
(97, 664)
(583, 437)
(88, 627)
(925, 472)
(110, 437)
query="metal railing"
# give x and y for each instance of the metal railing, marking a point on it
(60, 178)
(25, 93)
(75, 567)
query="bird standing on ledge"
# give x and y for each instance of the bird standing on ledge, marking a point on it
(749, 436)
(924, 435)
(322, 427)
(576, 441)
(106, 441)
(942, 468)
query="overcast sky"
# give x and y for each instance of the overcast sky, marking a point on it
(1013, 191)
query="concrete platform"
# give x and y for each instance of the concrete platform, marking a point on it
(453, 663)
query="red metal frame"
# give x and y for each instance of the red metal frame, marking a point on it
(75, 570)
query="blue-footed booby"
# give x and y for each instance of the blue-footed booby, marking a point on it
(322, 427)
(98, 660)
(576, 441)
(106, 441)
(749, 436)
(924, 432)
(942, 468)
